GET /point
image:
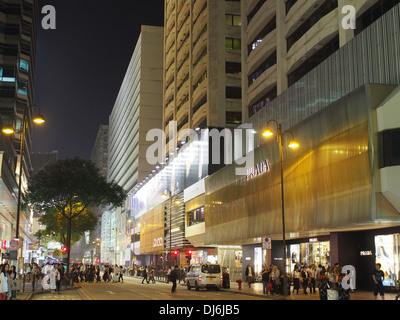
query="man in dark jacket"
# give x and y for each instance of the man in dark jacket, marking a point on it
(173, 277)
(250, 275)
(145, 275)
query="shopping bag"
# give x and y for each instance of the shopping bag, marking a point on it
(332, 294)
(269, 287)
(15, 285)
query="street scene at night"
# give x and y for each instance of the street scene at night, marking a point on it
(200, 158)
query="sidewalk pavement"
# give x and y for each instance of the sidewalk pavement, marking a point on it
(28, 294)
(256, 289)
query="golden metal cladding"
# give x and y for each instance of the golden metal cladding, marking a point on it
(328, 181)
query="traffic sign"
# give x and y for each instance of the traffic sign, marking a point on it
(267, 243)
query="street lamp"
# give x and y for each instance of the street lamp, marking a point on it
(8, 130)
(292, 144)
(167, 194)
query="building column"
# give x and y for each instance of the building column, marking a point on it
(281, 46)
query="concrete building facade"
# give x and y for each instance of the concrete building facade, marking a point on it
(137, 109)
(202, 65)
(18, 21)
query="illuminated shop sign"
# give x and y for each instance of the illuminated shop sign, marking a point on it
(159, 242)
(259, 169)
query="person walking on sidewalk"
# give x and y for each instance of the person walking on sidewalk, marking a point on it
(312, 275)
(174, 277)
(58, 277)
(145, 275)
(304, 279)
(121, 274)
(296, 279)
(5, 287)
(249, 274)
(378, 276)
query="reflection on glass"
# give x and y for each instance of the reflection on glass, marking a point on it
(387, 254)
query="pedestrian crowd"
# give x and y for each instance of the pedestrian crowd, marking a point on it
(328, 281)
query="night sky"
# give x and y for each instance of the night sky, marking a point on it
(81, 65)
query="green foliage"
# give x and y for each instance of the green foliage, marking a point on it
(72, 181)
(65, 190)
(56, 224)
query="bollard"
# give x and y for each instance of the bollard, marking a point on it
(239, 282)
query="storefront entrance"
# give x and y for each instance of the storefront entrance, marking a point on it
(312, 252)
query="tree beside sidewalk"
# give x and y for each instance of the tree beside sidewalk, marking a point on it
(68, 188)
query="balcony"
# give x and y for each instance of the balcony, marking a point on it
(197, 7)
(263, 49)
(199, 92)
(321, 33)
(266, 12)
(262, 85)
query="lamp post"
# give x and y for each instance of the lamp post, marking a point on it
(39, 119)
(292, 144)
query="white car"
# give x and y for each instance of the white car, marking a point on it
(205, 275)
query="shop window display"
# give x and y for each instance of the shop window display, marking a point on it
(387, 254)
(310, 253)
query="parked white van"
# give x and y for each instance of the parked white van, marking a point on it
(205, 275)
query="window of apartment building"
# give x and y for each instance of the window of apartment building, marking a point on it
(233, 44)
(7, 74)
(22, 86)
(169, 120)
(201, 79)
(233, 67)
(203, 31)
(268, 63)
(314, 60)
(255, 10)
(233, 20)
(182, 123)
(201, 56)
(233, 93)
(195, 216)
(373, 14)
(7, 92)
(200, 104)
(234, 117)
(289, 4)
(270, 26)
(322, 11)
(24, 65)
(184, 100)
(261, 103)
(389, 151)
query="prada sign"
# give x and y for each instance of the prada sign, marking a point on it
(258, 170)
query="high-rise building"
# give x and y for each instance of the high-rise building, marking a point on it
(89, 247)
(137, 109)
(202, 64)
(285, 40)
(99, 154)
(18, 22)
